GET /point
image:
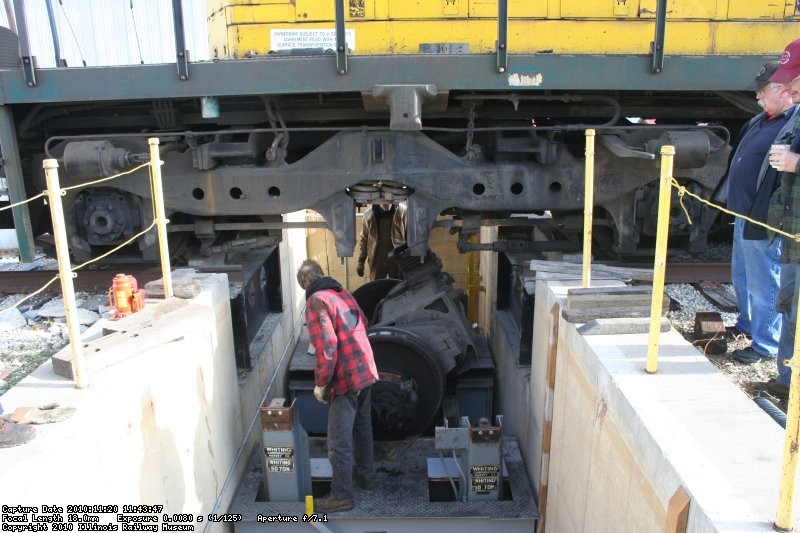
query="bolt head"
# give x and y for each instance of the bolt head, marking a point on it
(501, 70)
(269, 413)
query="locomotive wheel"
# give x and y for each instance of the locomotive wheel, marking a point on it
(411, 387)
(370, 294)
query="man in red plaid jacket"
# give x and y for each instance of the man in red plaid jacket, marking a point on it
(344, 373)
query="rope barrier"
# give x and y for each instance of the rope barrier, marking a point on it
(683, 191)
(101, 180)
(80, 185)
(109, 252)
(32, 198)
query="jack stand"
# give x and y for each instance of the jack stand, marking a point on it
(480, 466)
(285, 459)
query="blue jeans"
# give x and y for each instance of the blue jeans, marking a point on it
(349, 421)
(787, 306)
(756, 276)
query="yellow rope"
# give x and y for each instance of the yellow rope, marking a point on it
(31, 295)
(683, 191)
(126, 243)
(64, 189)
(101, 180)
(23, 201)
(103, 256)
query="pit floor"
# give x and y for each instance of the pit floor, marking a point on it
(400, 500)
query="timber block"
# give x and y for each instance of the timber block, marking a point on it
(626, 301)
(709, 333)
(621, 326)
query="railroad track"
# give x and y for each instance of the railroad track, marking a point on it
(22, 282)
(687, 272)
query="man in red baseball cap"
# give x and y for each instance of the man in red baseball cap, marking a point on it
(789, 67)
(784, 212)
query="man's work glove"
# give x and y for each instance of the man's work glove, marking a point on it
(321, 394)
(360, 270)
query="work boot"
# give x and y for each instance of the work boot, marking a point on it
(365, 482)
(330, 505)
(12, 434)
(748, 356)
(781, 391)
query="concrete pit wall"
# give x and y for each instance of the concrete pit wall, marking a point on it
(680, 450)
(171, 422)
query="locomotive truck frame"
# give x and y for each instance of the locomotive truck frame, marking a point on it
(449, 127)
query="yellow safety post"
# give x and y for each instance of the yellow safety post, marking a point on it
(65, 272)
(588, 209)
(474, 286)
(783, 520)
(161, 219)
(662, 235)
(309, 505)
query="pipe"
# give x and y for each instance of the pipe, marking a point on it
(65, 273)
(776, 414)
(588, 209)
(660, 263)
(160, 216)
(54, 31)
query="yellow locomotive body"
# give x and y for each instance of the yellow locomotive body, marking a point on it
(247, 28)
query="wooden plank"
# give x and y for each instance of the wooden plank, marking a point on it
(716, 294)
(602, 297)
(131, 339)
(585, 315)
(599, 271)
(678, 512)
(181, 288)
(621, 326)
(547, 432)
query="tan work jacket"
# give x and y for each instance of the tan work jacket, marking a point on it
(368, 241)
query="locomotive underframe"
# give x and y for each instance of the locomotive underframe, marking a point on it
(293, 134)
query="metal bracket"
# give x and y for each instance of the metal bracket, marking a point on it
(422, 213)
(339, 212)
(28, 61)
(182, 54)
(657, 46)
(405, 104)
(618, 147)
(502, 36)
(341, 41)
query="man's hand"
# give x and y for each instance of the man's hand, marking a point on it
(784, 160)
(360, 270)
(321, 394)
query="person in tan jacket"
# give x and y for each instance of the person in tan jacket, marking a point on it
(383, 229)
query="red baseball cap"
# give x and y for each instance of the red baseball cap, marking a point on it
(789, 68)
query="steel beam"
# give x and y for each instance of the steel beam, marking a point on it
(28, 61)
(465, 72)
(16, 185)
(181, 53)
(658, 44)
